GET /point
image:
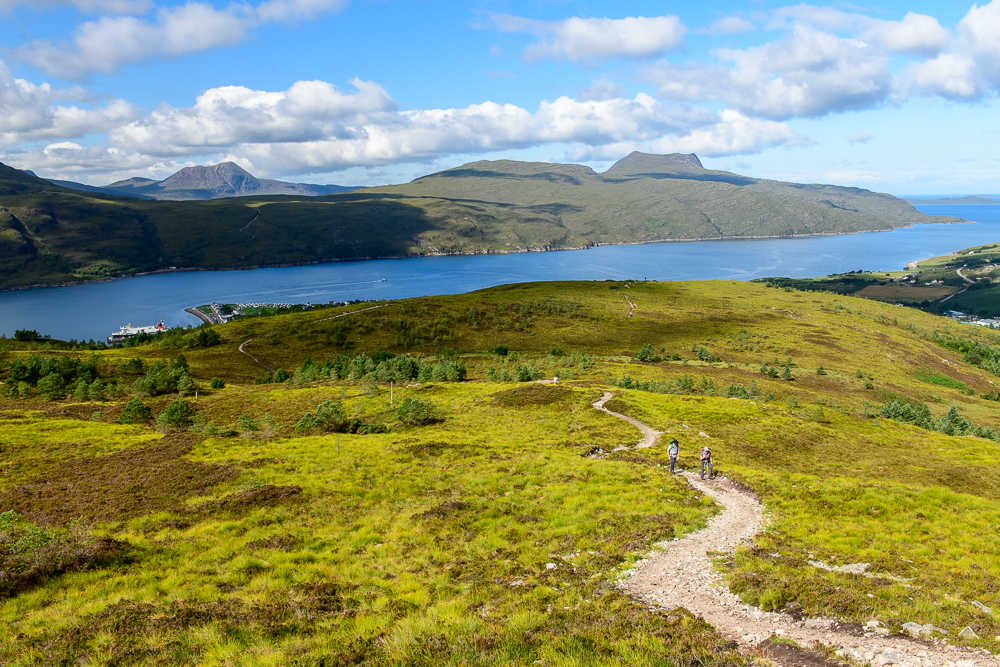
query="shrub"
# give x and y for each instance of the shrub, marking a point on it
(52, 386)
(178, 414)
(417, 412)
(557, 352)
(647, 353)
(330, 418)
(501, 350)
(27, 335)
(135, 412)
(217, 383)
(247, 426)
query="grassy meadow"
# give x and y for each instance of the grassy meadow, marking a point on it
(483, 529)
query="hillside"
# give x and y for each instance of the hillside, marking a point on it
(967, 281)
(50, 234)
(333, 518)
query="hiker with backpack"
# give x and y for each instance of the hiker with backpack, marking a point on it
(673, 450)
(706, 461)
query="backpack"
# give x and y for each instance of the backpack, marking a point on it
(706, 453)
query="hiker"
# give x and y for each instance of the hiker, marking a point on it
(673, 450)
(706, 460)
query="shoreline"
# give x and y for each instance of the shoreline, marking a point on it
(200, 315)
(486, 251)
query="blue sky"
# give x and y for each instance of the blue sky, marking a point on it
(896, 97)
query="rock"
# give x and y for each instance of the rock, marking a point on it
(965, 663)
(886, 657)
(981, 607)
(550, 566)
(929, 631)
(913, 629)
(968, 633)
(872, 624)
(817, 623)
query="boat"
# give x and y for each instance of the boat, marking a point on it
(129, 331)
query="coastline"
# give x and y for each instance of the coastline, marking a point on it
(200, 315)
(486, 251)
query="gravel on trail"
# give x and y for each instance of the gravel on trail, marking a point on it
(680, 573)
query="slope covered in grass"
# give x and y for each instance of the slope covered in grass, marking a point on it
(492, 530)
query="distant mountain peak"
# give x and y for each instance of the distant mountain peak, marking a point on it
(636, 161)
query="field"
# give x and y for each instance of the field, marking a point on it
(313, 513)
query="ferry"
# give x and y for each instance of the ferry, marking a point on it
(128, 331)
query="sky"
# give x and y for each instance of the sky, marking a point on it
(897, 97)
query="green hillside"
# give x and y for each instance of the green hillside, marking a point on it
(50, 234)
(300, 509)
(967, 281)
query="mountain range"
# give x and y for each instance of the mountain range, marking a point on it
(51, 234)
(227, 179)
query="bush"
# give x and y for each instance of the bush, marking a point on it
(647, 353)
(247, 426)
(178, 414)
(135, 412)
(417, 412)
(217, 383)
(52, 386)
(329, 418)
(27, 335)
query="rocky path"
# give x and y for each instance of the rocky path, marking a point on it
(649, 436)
(680, 573)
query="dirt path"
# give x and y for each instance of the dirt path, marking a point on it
(680, 573)
(962, 276)
(649, 436)
(262, 365)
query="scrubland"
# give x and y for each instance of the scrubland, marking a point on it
(491, 525)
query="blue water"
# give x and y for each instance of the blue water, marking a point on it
(94, 310)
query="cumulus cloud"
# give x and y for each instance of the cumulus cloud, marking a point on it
(30, 112)
(727, 25)
(860, 138)
(314, 127)
(595, 39)
(89, 6)
(105, 45)
(812, 73)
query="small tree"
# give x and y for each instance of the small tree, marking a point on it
(52, 386)
(417, 412)
(82, 391)
(184, 384)
(787, 374)
(135, 412)
(647, 353)
(821, 370)
(217, 383)
(247, 426)
(178, 414)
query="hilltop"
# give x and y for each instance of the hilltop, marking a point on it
(50, 234)
(301, 508)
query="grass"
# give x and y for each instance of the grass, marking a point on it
(489, 536)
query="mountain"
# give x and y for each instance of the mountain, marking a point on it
(51, 234)
(216, 182)
(967, 200)
(646, 198)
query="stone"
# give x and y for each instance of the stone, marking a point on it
(981, 607)
(817, 623)
(886, 657)
(872, 624)
(913, 629)
(965, 663)
(968, 633)
(550, 566)
(929, 631)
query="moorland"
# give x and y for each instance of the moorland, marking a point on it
(54, 235)
(388, 483)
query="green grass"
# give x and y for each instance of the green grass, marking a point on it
(430, 544)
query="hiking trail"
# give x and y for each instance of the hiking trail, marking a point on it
(680, 573)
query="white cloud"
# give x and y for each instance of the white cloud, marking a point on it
(88, 6)
(593, 40)
(105, 45)
(812, 73)
(313, 127)
(727, 25)
(916, 33)
(949, 75)
(860, 138)
(30, 112)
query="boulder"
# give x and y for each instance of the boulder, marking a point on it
(968, 633)
(913, 629)
(981, 607)
(887, 657)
